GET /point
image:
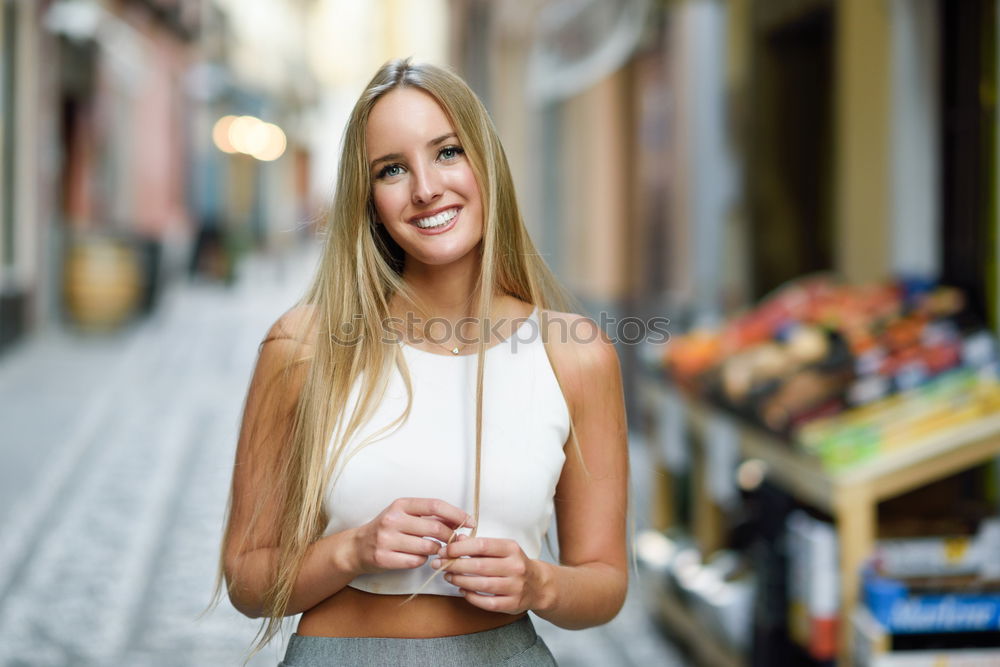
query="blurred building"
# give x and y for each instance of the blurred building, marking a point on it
(95, 142)
(684, 158)
(108, 109)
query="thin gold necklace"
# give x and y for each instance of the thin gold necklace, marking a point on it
(454, 350)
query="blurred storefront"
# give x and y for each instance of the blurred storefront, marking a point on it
(94, 156)
(826, 170)
(111, 186)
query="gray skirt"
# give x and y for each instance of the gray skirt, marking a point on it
(513, 645)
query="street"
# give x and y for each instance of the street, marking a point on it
(114, 473)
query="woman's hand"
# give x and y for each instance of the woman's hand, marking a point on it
(397, 538)
(496, 566)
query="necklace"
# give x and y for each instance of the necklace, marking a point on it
(455, 350)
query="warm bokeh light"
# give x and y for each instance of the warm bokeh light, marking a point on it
(250, 135)
(274, 143)
(256, 137)
(220, 134)
(240, 132)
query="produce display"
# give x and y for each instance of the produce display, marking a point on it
(955, 398)
(846, 370)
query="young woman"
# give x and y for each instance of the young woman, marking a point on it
(415, 420)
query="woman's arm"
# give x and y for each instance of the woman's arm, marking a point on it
(250, 549)
(588, 587)
(325, 570)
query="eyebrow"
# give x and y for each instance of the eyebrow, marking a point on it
(399, 156)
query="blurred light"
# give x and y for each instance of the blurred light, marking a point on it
(751, 474)
(274, 143)
(655, 549)
(250, 135)
(220, 134)
(256, 138)
(240, 131)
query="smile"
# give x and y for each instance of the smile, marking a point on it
(436, 220)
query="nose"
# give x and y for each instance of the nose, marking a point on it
(426, 186)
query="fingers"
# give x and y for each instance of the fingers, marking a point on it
(383, 557)
(401, 552)
(483, 567)
(491, 573)
(491, 585)
(435, 507)
(418, 526)
(501, 603)
(406, 533)
(481, 546)
(414, 545)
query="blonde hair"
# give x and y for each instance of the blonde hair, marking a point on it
(359, 272)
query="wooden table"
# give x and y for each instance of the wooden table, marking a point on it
(850, 496)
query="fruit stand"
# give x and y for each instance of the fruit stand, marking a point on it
(844, 397)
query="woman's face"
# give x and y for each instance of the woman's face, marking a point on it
(424, 190)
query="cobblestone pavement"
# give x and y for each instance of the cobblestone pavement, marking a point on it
(115, 457)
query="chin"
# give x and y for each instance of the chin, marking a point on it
(444, 259)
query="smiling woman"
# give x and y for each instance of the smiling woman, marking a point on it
(366, 471)
(423, 187)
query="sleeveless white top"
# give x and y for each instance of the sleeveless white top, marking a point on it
(433, 453)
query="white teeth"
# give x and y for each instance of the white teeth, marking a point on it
(437, 220)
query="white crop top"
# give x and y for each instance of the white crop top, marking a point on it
(433, 453)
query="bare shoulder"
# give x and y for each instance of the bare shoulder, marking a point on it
(283, 362)
(289, 343)
(297, 325)
(577, 335)
(581, 353)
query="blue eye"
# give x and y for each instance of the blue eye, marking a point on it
(389, 171)
(450, 152)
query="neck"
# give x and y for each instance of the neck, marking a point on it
(444, 291)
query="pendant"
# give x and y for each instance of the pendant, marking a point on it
(454, 350)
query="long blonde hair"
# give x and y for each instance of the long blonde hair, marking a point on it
(360, 271)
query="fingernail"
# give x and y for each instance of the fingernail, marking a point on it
(436, 563)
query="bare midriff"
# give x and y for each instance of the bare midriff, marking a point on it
(355, 613)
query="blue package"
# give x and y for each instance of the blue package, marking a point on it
(902, 612)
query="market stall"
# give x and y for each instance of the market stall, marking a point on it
(843, 398)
